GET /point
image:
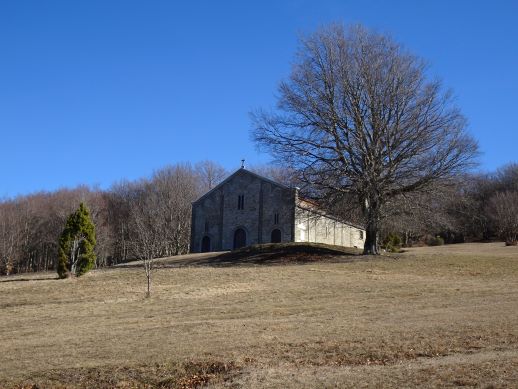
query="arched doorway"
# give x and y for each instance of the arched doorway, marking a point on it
(239, 238)
(205, 244)
(276, 236)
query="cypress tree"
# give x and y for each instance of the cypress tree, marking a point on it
(76, 245)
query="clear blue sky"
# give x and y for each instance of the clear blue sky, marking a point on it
(95, 91)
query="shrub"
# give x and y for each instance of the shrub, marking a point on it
(392, 243)
(435, 241)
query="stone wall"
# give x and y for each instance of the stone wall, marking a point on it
(216, 215)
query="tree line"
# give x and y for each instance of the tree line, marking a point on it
(474, 207)
(145, 218)
(150, 217)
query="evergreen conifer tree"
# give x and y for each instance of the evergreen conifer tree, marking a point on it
(76, 245)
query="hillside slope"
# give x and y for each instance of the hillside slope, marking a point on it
(416, 320)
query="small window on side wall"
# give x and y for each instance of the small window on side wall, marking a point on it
(275, 218)
(361, 235)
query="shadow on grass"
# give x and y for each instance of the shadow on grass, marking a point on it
(273, 254)
(28, 279)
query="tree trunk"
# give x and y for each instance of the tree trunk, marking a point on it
(371, 246)
(372, 213)
(148, 294)
(148, 275)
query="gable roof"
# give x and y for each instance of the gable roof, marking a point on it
(239, 171)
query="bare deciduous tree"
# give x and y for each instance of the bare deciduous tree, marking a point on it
(503, 211)
(159, 214)
(418, 214)
(278, 174)
(145, 234)
(10, 233)
(209, 174)
(358, 115)
(176, 187)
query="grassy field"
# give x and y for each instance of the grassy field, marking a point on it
(431, 317)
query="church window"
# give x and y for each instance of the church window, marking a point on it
(206, 226)
(241, 202)
(275, 218)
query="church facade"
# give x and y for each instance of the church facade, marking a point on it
(248, 209)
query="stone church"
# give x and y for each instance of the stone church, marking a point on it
(248, 209)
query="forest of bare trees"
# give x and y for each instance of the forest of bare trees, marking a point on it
(139, 219)
(150, 217)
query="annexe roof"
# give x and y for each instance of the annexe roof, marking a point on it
(241, 170)
(320, 211)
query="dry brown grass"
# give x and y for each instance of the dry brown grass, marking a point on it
(432, 317)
